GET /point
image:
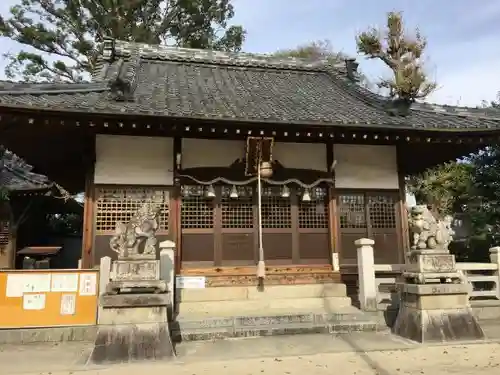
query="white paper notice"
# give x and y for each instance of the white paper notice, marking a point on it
(34, 301)
(88, 284)
(15, 285)
(36, 282)
(64, 282)
(68, 304)
(190, 282)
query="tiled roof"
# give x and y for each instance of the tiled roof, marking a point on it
(186, 83)
(17, 175)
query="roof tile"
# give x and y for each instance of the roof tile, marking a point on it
(175, 82)
(17, 175)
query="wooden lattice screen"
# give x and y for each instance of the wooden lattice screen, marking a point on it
(222, 230)
(372, 215)
(115, 204)
(237, 227)
(277, 226)
(197, 226)
(314, 237)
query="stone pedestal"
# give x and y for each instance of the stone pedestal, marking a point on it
(436, 313)
(434, 300)
(133, 322)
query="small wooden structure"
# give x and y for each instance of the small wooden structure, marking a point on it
(182, 127)
(19, 185)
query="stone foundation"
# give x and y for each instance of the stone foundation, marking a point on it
(134, 332)
(133, 315)
(436, 313)
(437, 325)
(132, 342)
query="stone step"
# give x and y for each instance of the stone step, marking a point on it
(235, 293)
(243, 307)
(189, 327)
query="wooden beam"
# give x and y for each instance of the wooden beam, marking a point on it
(332, 207)
(283, 270)
(403, 213)
(88, 210)
(175, 205)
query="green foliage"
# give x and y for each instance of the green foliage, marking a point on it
(493, 103)
(486, 181)
(402, 54)
(446, 188)
(4, 194)
(70, 31)
(65, 224)
(452, 189)
(319, 50)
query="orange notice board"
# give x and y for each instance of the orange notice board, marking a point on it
(48, 298)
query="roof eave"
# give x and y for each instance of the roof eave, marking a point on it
(369, 126)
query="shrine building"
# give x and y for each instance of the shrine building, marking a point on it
(188, 129)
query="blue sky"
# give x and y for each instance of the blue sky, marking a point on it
(463, 36)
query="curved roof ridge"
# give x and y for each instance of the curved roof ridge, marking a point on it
(478, 112)
(22, 88)
(114, 49)
(381, 102)
(17, 174)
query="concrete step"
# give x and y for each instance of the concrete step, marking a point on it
(192, 327)
(238, 293)
(243, 307)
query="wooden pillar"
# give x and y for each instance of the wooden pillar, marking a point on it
(332, 210)
(88, 208)
(88, 221)
(175, 205)
(403, 212)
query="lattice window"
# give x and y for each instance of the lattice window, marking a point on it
(197, 213)
(120, 204)
(382, 211)
(4, 233)
(313, 214)
(276, 210)
(237, 212)
(351, 209)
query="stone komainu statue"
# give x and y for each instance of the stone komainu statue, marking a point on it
(140, 230)
(427, 232)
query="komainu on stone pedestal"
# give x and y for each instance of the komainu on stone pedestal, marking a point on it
(133, 318)
(139, 232)
(434, 300)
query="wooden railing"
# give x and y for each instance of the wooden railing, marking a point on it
(377, 282)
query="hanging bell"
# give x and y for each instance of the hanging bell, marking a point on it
(285, 192)
(210, 192)
(266, 169)
(306, 197)
(234, 193)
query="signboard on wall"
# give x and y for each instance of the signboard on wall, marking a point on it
(190, 282)
(46, 298)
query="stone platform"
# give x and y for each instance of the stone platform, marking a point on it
(246, 311)
(245, 300)
(273, 322)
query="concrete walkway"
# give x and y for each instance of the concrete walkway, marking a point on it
(357, 353)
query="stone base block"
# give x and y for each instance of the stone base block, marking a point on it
(118, 343)
(134, 300)
(135, 269)
(133, 315)
(437, 325)
(138, 286)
